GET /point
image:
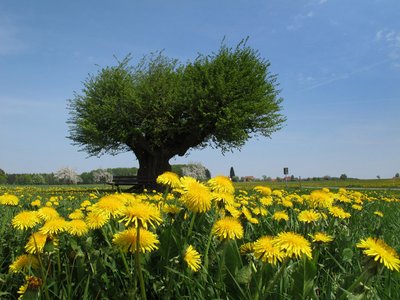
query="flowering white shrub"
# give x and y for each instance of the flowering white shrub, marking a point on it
(67, 176)
(102, 176)
(195, 170)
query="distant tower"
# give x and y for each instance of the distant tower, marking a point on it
(232, 173)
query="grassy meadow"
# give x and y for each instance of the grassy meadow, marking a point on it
(392, 183)
(210, 240)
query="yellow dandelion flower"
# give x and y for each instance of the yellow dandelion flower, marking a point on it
(246, 212)
(321, 237)
(171, 209)
(48, 213)
(36, 243)
(259, 211)
(244, 202)
(25, 220)
(253, 220)
(246, 248)
(128, 199)
(266, 251)
(228, 228)
(280, 215)
(380, 252)
(344, 199)
(221, 184)
(378, 213)
(277, 193)
(54, 226)
(24, 262)
(233, 211)
(308, 216)
(86, 203)
(77, 214)
(320, 198)
(338, 212)
(34, 282)
(127, 240)
(266, 201)
(169, 179)
(293, 244)
(95, 220)
(8, 199)
(111, 205)
(77, 227)
(36, 203)
(356, 207)
(196, 196)
(263, 190)
(141, 214)
(192, 258)
(297, 198)
(243, 192)
(223, 198)
(287, 203)
(22, 289)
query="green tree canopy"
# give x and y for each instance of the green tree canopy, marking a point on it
(161, 108)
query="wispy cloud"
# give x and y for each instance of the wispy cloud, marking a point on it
(333, 77)
(391, 40)
(298, 21)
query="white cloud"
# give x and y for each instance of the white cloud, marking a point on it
(298, 21)
(312, 83)
(391, 40)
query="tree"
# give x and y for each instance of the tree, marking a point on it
(67, 176)
(195, 170)
(161, 108)
(231, 173)
(38, 179)
(3, 177)
(102, 176)
(343, 177)
(87, 177)
(397, 175)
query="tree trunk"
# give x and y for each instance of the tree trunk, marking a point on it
(150, 166)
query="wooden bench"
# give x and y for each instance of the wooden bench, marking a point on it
(135, 182)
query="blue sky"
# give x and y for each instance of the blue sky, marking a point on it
(338, 65)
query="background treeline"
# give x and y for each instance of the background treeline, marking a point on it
(51, 178)
(192, 169)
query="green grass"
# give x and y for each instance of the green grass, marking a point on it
(393, 183)
(93, 266)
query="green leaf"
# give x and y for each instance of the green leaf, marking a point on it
(347, 255)
(244, 275)
(303, 276)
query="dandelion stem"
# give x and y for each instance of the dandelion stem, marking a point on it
(277, 275)
(125, 264)
(364, 276)
(138, 266)
(42, 270)
(207, 249)
(191, 226)
(222, 262)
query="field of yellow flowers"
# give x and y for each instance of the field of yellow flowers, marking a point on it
(199, 240)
